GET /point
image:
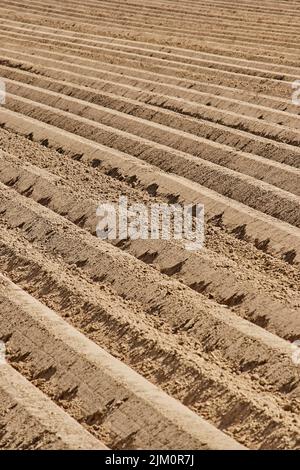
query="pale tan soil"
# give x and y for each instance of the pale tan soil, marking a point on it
(143, 344)
(31, 421)
(75, 367)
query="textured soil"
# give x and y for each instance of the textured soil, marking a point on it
(142, 344)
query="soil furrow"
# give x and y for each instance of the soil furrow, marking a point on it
(75, 370)
(248, 190)
(177, 305)
(268, 234)
(197, 272)
(133, 341)
(136, 23)
(183, 89)
(30, 421)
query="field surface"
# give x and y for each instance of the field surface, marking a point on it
(142, 344)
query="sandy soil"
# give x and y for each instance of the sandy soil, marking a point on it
(143, 344)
